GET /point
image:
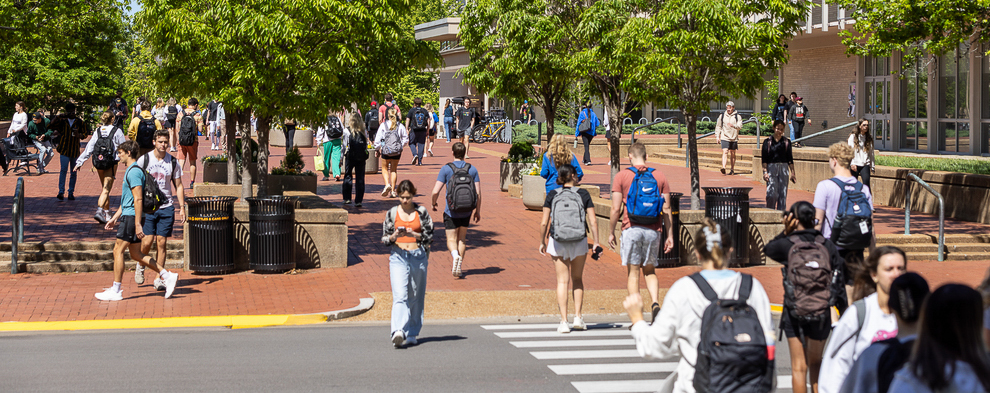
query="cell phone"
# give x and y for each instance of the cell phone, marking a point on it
(598, 253)
(400, 229)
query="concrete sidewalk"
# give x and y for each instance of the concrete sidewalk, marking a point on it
(502, 256)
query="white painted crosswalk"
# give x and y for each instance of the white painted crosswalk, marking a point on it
(601, 359)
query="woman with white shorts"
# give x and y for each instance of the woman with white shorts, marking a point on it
(568, 255)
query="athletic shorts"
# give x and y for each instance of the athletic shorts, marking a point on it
(160, 223)
(396, 156)
(452, 223)
(125, 230)
(640, 246)
(812, 330)
(568, 251)
(461, 133)
(433, 132)
(188, 152)
(730, 145)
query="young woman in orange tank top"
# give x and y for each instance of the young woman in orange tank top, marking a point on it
(408, 228)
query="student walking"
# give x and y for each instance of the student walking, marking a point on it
(558, 154)
(788, 110)
(330, 138)
(387, 105)
(418, 121)
(587, 124)
(391, 137)
(189, 122)
(67, 132)
(869, 319)
(862, 143)
(780, 108)
(118, 106)
(727, 134)
(40, 136)
(463, 202)
(213, 129)
(778, 167)
(171, 113)
(641, 199)
(467, 117)
(129, 233)
(163, 168)
(433, 128)
(798, 116)
(408, 229)
(143, 127)
(874, 371)
(813, 283)
(525, 112)
(949, 355)
(679, 331)
(448, 119)
(103, 148)
(356, 159)
(289, 130)
(567, 211)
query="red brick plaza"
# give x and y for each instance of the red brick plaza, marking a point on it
(502, 250)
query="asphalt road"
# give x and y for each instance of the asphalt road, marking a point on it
(461, 356)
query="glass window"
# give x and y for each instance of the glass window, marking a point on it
(915, 134)
(986, 89)
(954, 126)
(914, 92)
(986, 138)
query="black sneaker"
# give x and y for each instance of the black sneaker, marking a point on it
(60, 197)
(72, 197)
(656, 310)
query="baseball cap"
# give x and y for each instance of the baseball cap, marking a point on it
(39, 115)
(374, 103)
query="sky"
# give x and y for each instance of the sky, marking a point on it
(135, 6)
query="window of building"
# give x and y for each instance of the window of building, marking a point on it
(953, 113)
(914, 106)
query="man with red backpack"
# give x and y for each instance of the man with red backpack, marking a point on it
(813, 282)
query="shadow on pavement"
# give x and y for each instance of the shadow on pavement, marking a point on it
(487, 270)
(424, 340)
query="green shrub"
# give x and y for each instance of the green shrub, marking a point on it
(521, 151)
(292, 164)
(527, 133)
(975, 166)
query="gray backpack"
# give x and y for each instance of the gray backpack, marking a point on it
(392, 143)
(567, 216)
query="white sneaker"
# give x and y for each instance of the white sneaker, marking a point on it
(456, 271)
(159, 284)
(579, 324)
(100, 216)
(173, 149)
(170, 282)
(411, 340)
(139, 274)
(398, 338)
(563, 328)
(110, 295)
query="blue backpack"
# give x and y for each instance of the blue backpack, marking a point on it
(644, 203)
(853, 226)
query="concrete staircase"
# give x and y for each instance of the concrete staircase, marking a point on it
(958, 247)
(708, 158)
(77, 257)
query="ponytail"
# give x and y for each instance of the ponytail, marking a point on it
(393, 118)
(710, 243)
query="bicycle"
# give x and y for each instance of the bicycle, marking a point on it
(489, 131)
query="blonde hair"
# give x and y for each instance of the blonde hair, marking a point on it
(429, 106)
(841, 152)
(393, 117)
(356, 124)
(558, 151)
(715, 251)
(171, 101)
(159, 103)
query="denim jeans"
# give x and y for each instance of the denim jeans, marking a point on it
(407, 270)
(68, 165)
(45, 153)
(290, 135)
(790, 124)
(448, 126)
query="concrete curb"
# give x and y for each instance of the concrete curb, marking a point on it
(228, 321)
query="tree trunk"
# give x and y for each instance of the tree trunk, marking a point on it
(692, 131)
(230, 124)
(551, 114)
(244, 127)
(264, 125)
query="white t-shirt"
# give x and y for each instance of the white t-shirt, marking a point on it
(104, 131)
(161, 170)
(18, 123)
(840, 354)
(860, 156)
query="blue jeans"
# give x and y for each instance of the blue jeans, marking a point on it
(45, 153)
(407, 271)
(68, 165)
(448, 126)
(791, 125)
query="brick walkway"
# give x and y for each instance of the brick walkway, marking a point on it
(502, 252)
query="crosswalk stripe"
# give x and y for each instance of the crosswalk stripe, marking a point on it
(632, 386)
(613, 368)
(576, 333)
(572, 343)
(593, 354)
(550, 326)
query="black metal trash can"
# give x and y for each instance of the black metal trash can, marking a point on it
(211, 234)
(271, 222)
(729, 207)
(672, 258)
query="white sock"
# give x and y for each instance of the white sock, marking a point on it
(116, 286)
(454, 254)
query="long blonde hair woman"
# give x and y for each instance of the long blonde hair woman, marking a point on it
(558, 154)
(389, 140)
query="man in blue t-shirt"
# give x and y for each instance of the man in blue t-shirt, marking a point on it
(456, 222)
(129, 234)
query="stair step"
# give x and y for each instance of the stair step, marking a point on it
(957, 256)
(707, 162)
(77, 266)
(950, 248)
(75, 246)
(57, 256)
(893, 239)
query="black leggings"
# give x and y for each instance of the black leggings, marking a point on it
(863, 172)
(798, 128)
(357, 168)
(587, 147)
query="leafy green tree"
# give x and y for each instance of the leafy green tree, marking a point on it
(916, 28)
(281, 58)
(697, 52)
(521, 49)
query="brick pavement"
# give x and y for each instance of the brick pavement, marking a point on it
(502, 253)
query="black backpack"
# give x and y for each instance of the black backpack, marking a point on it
(732, 354)
(152, 196)
(187, 130)
(420, 119)
(171, 113)
(461, 194)
(371, 119)
(334, 128)
(146, 133)
(853, 225)
(103, 151)
(357, 146)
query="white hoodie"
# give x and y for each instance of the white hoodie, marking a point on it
(840, 354)
(677, 330)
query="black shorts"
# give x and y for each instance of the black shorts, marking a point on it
(730, 145)
(433, 132)
(396, 156)
(818, 330)
(452, 223)
(126, 230)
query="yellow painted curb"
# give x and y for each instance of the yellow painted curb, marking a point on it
(776, 308)
(231, 321)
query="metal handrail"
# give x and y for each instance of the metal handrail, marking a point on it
(655, 122)
(17, 227)
(824, 132)
(941, 213)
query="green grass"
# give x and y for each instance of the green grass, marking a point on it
(975, 166)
